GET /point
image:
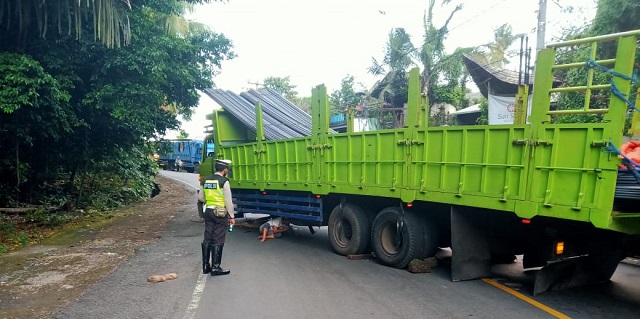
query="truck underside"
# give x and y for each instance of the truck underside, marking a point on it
(479, 238)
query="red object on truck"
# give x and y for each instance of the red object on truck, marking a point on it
(632, 151)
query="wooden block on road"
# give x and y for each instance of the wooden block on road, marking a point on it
(360, 257)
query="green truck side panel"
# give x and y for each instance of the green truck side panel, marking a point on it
(229, 130)
(535, 169)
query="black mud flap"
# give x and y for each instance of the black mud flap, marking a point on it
(575, 272)
(471, 256)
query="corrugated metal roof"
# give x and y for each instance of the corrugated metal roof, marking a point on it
(281, 119)
(502, 81)
(471, 109)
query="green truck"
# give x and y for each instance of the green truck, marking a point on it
(540, 189)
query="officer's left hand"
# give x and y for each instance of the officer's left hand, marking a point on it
(232, 221)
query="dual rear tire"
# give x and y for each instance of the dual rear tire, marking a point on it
(396, 236)
(349, 230)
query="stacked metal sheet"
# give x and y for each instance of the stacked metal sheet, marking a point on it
(277, 124)
(627, 186)
(280, 108)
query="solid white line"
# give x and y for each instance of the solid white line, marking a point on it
(181, 181)
(195, 297)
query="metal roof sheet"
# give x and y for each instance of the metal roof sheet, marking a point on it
(278, 107)
(278, 123)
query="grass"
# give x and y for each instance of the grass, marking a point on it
(20, 230)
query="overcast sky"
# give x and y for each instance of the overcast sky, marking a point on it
(320, 42)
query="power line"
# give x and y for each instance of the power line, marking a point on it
(477, 15)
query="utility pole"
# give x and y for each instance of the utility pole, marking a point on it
(257, 84)
(542, 24)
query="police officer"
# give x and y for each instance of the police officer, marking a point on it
(216, 194)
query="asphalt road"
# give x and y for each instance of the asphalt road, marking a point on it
(298, 276)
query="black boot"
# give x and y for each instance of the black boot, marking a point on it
(217, 258)
(206, 255)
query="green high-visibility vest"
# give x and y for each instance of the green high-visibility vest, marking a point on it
(213, 193)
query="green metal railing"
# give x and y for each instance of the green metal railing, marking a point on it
(623, 64)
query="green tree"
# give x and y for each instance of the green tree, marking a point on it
(391, 90)
(616, 16)
(435, 63)
(90, 110)
(281, 85)
(606, 21)
(346, 96)
(182, 134)
(483, 119)
(29, 94)
(497, 54)
(109, 19)
(304, 103)
(110, 23)
(441, 73)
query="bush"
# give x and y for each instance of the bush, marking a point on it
(23, 238)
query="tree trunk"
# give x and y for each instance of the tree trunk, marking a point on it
(85, 160)
(17, 171)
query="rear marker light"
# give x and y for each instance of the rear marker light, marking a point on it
(318, 196)
(526, 221)
(409, 204)
(264, 193)
(559, 248)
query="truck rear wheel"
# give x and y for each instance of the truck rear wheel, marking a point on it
(431, 238)
(397, 237)
(349, 230)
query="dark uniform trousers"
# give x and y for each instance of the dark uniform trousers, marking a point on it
(215, 228)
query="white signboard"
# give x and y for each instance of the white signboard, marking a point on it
(502, 109)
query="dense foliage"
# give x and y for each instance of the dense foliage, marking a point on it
(346, 97)
(608, 19)
(109, 19)
(76, 115)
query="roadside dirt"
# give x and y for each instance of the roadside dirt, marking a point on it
(38, 280)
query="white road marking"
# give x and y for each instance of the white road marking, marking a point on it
(181, 181)
(195, 297)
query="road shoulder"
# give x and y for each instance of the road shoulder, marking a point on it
(37, 281)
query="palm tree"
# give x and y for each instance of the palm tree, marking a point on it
(109, 18)
(111, 23)
(498, 54)
(432, 54)
(400, 54)
(176, 24)
(398, 57)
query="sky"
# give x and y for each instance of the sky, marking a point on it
(321, 42)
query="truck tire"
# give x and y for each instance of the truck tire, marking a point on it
(349, 230)
(431, 238)
(394, 245)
